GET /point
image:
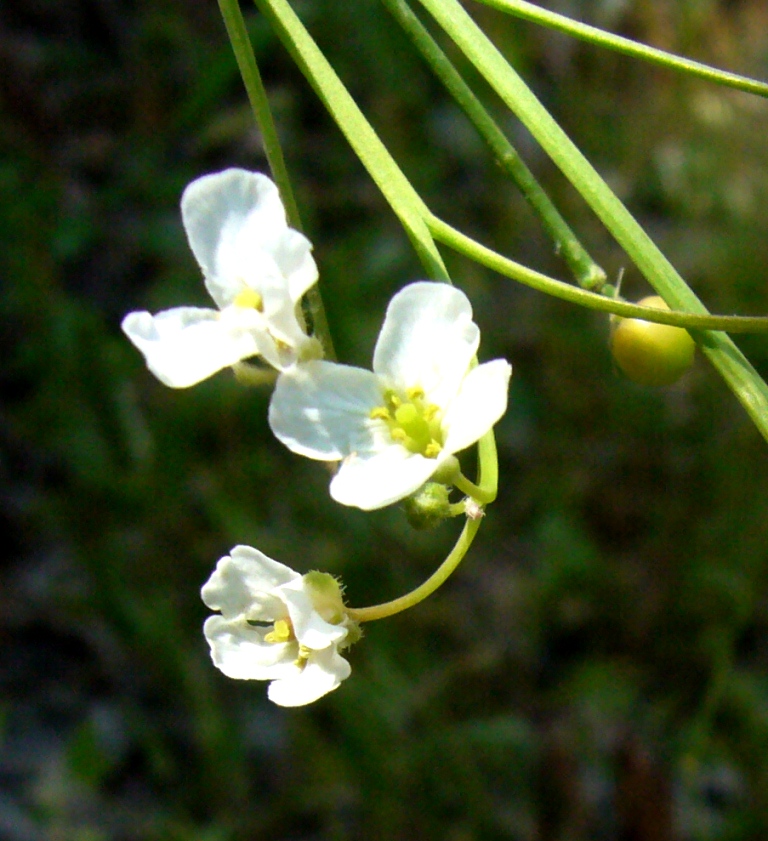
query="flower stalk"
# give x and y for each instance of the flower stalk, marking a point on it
(593, 35)
(257, 96)
(436, 580)
(463, 244)
(733, 366)
(587, 272)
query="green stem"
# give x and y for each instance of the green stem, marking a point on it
(584, 268)
(438, 577)
(395, 187)
(529, 11)
(488, 472)
(444, 233)
(257, 96)
(487, 486)
(471, 489)
(733, 366)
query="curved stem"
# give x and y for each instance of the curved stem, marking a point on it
(529, 11)
(455, 239)
(438, 577)
(471, 489)
(586, 271)
(487, 487)
(740, 376)
(488, 479)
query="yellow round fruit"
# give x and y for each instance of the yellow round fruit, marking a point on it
(649, 353)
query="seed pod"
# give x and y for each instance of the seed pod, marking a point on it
(649, 353)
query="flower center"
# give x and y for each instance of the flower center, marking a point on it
(282, 631)
(412, 421)
(249, 299)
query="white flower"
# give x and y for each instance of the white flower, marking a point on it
(276, 625)
(256, 269)
(395, 426)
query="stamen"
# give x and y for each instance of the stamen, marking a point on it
(392, 400)
(301, 660)
(412, 421)
(282, 632)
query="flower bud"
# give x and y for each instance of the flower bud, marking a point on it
(428, 507)
(649, 353)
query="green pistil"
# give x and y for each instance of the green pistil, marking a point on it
(412, 422)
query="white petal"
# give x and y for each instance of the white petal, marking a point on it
(239, 650)
(323, 672)
(247, 582)
(185, 345)
(236, 226)
(292, 254)
(375, 481)
(322, 410)
(481, 401)
(428, 340)
(310, 628)
(216, 209)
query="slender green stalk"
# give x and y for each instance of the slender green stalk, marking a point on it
(485, 492)
(396, 188)
(257, 96)
(529, 11)
(438, 577)
(471, 489)
(586, 271)
(488, 471)
(469, 247)
(733, 366)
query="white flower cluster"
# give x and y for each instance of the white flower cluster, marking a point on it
(276, 625)
(391, 428)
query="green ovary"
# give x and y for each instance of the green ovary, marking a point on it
(412, 422)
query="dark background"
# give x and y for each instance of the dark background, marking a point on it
(597, 668)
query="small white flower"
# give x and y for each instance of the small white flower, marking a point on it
(276, 625)
(395, 426)
(256, 269)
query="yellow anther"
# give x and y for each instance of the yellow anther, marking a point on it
(392, 400)
(249, 299)
(432, 450)
(380, 413)
(282, 632)
(399, 435)
(430, 410)
(415, 393)
(301, 660)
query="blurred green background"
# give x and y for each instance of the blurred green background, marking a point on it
(598, 667)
